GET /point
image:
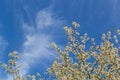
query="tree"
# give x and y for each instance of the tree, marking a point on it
(14, 69)
(106, 65)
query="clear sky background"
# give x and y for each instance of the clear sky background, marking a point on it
(29, 26)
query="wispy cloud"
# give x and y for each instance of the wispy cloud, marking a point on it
(37, 48)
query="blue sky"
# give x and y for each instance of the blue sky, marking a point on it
(30, 26)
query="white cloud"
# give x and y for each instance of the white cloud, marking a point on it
(37, 48)
(46, 19)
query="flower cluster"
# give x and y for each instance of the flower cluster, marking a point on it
(106, 65)
(13, 68)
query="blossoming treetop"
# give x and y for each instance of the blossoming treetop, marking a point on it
(106, 65)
